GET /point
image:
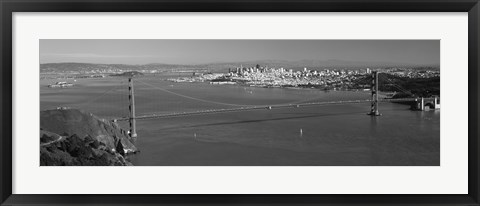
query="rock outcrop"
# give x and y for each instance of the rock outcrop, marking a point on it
(76, 151)
(74, 137)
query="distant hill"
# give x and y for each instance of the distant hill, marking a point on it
(222, 66)
(415, 87)
(78, 67)
(128, 74)
(113, 68)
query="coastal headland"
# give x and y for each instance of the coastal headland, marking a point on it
(73, 137)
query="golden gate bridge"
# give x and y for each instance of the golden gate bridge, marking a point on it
(374, 99)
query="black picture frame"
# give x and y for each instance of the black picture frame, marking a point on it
(7, 7)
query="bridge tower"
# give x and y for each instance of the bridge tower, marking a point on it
(374, 107)
(131, 107)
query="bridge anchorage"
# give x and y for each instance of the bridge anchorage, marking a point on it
(425, 104)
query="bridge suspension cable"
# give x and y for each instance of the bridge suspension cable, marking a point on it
(106, 92)
(189, 97)
(223, 103)
(398, 86)
(110, 102)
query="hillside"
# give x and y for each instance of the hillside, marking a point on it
(87, 67)
(416, 87)
(73, 137)
(128, 74)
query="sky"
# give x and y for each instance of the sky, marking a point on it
(146, 51)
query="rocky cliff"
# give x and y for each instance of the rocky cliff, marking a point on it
(74, 137)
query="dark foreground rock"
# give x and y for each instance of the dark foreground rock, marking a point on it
(73, 137)
(75, 151)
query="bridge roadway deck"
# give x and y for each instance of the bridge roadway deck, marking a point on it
(212, 111)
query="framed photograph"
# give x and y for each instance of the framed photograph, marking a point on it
(261, 102)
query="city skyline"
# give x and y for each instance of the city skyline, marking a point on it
(191, 52)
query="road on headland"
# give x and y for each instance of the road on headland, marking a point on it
(54, 141)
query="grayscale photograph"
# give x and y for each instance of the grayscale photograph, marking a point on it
(239, 102)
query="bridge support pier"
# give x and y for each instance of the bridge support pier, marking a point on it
(374, 108)
(131, 107)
